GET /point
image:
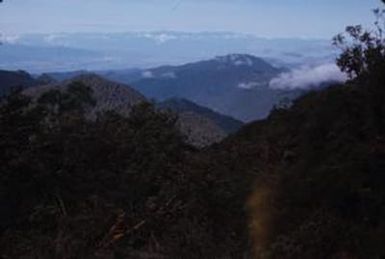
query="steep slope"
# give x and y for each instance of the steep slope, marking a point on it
(199, 129)
(107, 188)
(15, 79)
(316, 173)
(107, 94)
(236, 85)
(228, 124)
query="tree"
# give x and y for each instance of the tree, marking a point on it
(363, 50)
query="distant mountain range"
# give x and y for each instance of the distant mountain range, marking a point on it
(39, 53)
(236, 85)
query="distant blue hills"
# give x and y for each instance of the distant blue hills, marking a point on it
(236, 85)
(39, 53)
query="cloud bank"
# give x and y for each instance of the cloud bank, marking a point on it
(307, 77)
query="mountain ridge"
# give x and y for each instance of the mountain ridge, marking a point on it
(227, 123)
(236, 85)
(201, 130)
(15, 79)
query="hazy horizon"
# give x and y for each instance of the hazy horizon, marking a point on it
(58, 35)
(264, 18)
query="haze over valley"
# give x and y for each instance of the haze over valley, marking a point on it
(235, 74)
(100, 51)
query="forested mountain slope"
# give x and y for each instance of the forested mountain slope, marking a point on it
(227, 123)
(199, 129)
(319, 170)
(15, 80)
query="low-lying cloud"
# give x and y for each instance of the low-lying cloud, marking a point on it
(307, 77)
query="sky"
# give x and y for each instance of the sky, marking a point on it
(264, 18)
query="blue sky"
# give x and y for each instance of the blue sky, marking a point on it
(267, 18)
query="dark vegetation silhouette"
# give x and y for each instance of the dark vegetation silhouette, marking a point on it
(364, 50)
(15, 80)
(319, 192)
(113, 187)
(307, 182)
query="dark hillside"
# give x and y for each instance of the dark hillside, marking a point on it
(306, 183)
(320, 174)
(227, 123)
(15, 80)
(113, 187)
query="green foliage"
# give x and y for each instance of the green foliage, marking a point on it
(364, 50)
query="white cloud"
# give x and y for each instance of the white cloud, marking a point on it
(51, 38)
(236, 60)
(11, 39)
(169, 75)
(147, 74)
(307, 77)
(249, 85)
(160, 37)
